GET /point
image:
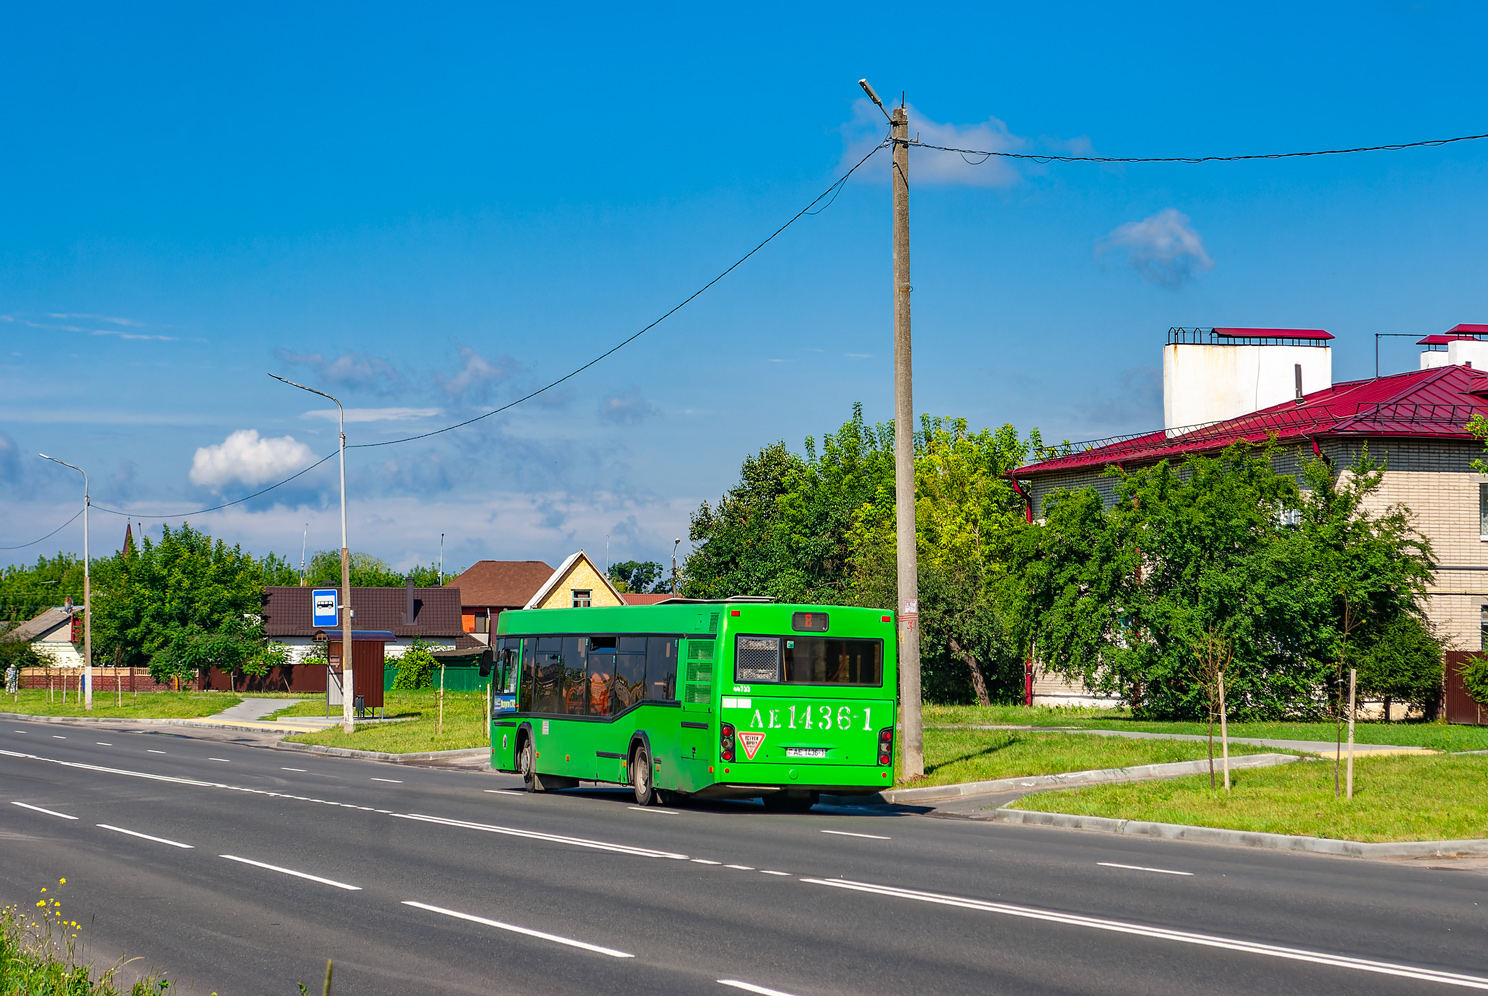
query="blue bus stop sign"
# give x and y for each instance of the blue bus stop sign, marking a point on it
(324, 613)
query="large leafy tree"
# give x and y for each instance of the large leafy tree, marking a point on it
(640, 576)
(28, 589)
(367, 571)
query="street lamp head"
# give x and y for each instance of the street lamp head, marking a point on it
(873, 96)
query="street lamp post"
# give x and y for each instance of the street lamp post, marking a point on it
(87, 592)
(348, 717)
(675, 544)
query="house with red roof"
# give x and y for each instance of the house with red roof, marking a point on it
(490, 587)
(1415, 422)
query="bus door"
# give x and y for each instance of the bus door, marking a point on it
(697, 736)
(505, 672)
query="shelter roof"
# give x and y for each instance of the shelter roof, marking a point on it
(501, 583)
(1434, 403)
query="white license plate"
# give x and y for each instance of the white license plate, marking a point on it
(805, 752)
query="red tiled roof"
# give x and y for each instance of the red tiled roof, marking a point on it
(286, 611)
(501, 584)
(1435, 403)
(1273, 333)
(636, 598)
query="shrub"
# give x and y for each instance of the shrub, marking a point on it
(415, 667)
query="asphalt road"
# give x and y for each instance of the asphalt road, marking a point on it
(419, 880)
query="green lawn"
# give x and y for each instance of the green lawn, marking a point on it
(981, 755)
(1436, 736)
(465, 724)
(1435, 797)
(147, 705)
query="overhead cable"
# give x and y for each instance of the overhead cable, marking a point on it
(226, 504)
(986, 154)
(22, 546)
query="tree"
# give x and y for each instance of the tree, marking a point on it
(26, 591)
(641, 577)
(1403, 664)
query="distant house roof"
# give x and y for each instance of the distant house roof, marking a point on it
(1434, 404)
(1273, 333)
(571, 564)
(501, 583)
(287, 612)
(39, 626)
(636, 598)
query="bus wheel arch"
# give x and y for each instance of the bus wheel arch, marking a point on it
(641, 763)
(527, 759)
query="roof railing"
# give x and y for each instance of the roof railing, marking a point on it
(1180, 336)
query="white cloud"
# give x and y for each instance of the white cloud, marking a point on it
(868, 127)
(245, 458)
(628, 408)
(477, 375)
(1163, 248)
(360, 370)
(375, 414)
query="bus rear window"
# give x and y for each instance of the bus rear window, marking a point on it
(808, 660)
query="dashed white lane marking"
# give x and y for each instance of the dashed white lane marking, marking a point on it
(766, 871)
(705, 861)
(653, 809)
(599, 845)
(542, 935)
(502, 792)
(1168, 934)
(222, 759)
(848, 833)
(1142, 868)
(49, 812)
(291, 769)
(100, 743)
(152, 750)
(750, 987)
(145, 836)
(395, 781)
(58, 736)
(22, 732)
(291, 871)
(742, 868)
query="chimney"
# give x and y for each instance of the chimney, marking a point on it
(1221, 373)
(408, 603)
(1297, 371)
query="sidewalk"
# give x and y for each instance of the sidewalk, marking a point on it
(250, 714)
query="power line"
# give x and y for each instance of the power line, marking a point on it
(833, 190)
(985, 154)
(22, 546)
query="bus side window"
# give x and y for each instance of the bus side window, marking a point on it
(575, 681)
(661, 668)
(549, 675)
(601, 683)
(508, 665)
(527, 671)
(630, 672)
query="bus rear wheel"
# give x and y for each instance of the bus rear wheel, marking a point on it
(642, 778)
(784, 802)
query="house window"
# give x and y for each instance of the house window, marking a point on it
(1483, 628)
(581, 597)
(482, 623)
(1483, 511)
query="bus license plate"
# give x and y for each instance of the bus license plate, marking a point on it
(805, 752)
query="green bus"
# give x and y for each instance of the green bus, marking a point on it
(738, 698)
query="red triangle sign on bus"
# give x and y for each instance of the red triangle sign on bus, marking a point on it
(751, 742)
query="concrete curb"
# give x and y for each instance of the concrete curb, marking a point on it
(1136, 773)
(377, 755)
(1242, 838)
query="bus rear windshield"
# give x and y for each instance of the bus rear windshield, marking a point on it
(808, 660)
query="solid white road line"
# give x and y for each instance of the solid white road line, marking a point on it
(599, 845)
(1167, 934)
(151, 750)
(395, 781)
(27, 805)
(653, 809)
(291, 871)
(520, 930)
(750, 987)
(1141, 868)
(145, 836)
(502, 792)
(847, 833)
(291, 769)
(705, 861)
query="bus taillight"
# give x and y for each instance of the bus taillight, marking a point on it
(726, 742)
(886, 745)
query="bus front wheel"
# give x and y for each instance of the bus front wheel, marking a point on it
(642, 778)
(526, 763)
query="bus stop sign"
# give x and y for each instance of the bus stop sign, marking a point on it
(324, 613)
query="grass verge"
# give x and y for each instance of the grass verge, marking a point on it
(1435, 736)
(465, 725)
(981, 755)
(317, 707)
(1397, 798)
(146, 705)
(39, 956)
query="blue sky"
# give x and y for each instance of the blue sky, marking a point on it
(430, 209)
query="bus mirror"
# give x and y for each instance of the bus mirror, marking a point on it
(485, 666)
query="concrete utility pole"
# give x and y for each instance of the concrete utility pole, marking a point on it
(87, 595)
(348, 715)
(904, 470)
